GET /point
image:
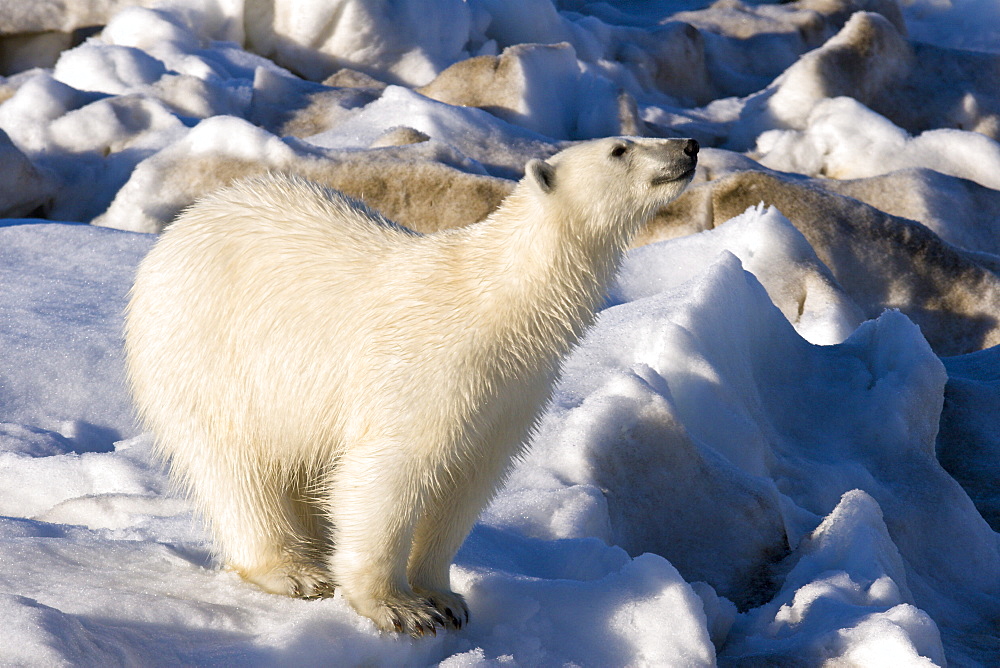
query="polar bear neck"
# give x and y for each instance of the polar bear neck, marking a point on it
(540, 273)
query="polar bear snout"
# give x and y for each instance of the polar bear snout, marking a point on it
(677, 165)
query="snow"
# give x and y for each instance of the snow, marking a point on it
(959, 24)
(779, 442)
(399, 106)
(839, 129)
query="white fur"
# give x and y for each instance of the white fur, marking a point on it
(341, 396)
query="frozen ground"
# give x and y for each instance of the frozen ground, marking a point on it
(779, 444)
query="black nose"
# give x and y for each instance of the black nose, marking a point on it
(691, 148)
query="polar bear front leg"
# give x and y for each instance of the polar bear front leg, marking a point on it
(376, 496)
(434, 550)
(449, 514)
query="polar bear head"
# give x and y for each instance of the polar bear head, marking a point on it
(613, 183)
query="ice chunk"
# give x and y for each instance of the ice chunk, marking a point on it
(707, 381)
(404, 42)
(844, 139)
(960, 24)
(539, 87)
(845, 599)
(503, 147)
(621, 606)
(861, 60)
(108, 69)
(23, 188)
(969, 441)
(881, 261)
(154, 32)
(286, 105)
(415, 185)
(958, 210)
(214, 152)
(769, 247)
(25, 117)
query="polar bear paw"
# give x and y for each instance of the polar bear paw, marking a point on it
(293, 579)
(411, 614)
(450, 605)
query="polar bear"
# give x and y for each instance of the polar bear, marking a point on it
(341, 396)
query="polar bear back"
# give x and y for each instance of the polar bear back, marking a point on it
(275, 277)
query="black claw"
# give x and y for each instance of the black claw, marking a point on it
(420, 630)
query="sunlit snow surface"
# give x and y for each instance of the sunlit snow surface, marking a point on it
(779, 445)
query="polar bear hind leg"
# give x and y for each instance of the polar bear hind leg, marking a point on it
(264, 527)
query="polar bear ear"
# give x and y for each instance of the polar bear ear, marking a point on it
(543, 174)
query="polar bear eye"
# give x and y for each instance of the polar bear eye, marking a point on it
(619, 150)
